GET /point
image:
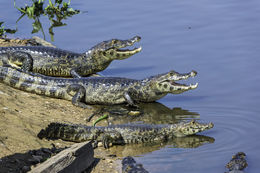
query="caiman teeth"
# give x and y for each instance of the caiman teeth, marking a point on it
(184, 76)
(192, 86)
(129, 42)
(135, 50)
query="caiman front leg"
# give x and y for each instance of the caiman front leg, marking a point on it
(112, 137)
(79, 94)
(129, 100)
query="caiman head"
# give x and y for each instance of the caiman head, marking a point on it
(112, 49)
(166, 83)
(190, 128)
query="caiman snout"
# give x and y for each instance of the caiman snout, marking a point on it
(112, 49)
(166, 83)
(134, 40)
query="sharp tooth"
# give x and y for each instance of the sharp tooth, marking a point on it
(193, 85)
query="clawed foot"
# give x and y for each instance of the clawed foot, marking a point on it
(105, 141)
(83, 105)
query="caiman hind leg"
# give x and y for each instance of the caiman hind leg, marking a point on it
(79, 93)
(19, 59)
(112, 137)
(74, 74)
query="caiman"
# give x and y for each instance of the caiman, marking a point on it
(98, 90)
(237, 164)
(62, 63)
(122, 134)
(129, 165)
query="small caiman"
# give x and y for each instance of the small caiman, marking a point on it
(237, 164)
(97, 90)
(122, 134)
(62, 63)
(129, 165)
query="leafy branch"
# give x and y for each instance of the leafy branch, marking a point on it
(56, 12)
(3, 31)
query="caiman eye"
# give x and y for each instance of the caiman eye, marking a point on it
(171, 73)
(114, 41)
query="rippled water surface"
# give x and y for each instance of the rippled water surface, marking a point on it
(218, 38)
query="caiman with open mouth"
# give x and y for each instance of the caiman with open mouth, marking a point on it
(62, 63)
(98, 90)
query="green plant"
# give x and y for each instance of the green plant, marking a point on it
(55, 12)
(36, 9)
(3, 31)
(61, 11)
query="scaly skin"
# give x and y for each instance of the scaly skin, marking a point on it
(122, 134)
(97, 90)
(129, 165)
(61, 63)
(237, 163)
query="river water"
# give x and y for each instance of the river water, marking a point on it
(219, 39)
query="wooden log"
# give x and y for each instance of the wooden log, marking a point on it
(75, 159)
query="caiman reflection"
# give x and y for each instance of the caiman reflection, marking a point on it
(149, 113)
(193, 141)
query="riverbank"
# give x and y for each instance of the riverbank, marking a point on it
(23, 115)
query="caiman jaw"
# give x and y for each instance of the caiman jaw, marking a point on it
(191, 128)
(125, 53)
(112, 49)
(180, 88)
(167, 84)
(124, 43)
(177, 76)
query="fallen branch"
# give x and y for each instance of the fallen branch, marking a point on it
(75, 159)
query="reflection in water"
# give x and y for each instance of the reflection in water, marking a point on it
(150, 113)
(193, 141)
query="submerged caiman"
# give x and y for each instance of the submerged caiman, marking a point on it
(122, 134)
(61, 63)
(97, 90)
(237, 164)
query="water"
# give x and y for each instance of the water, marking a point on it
(219, 39)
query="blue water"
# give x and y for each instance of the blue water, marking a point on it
(219, 39)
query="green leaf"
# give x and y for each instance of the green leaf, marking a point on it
(36, 27)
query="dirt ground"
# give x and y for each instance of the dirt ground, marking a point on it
(23, 115)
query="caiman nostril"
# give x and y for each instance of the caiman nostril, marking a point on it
(193, 73)
(136, 39)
